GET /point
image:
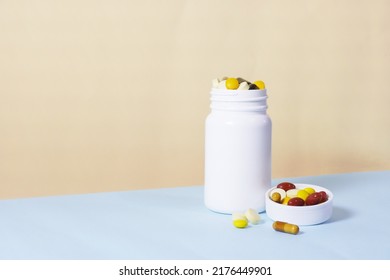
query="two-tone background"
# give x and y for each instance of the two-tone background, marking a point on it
(112, 95)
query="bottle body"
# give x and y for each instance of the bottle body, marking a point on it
(237, 151)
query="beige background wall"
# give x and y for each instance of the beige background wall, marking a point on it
(112, 95)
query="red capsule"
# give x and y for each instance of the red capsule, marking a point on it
(324, 196)
(296, 201)
(313, 199)
(316, 198)
(286, 186)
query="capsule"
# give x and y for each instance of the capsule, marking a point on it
(276, 197)
(285, 227)
(281, 192)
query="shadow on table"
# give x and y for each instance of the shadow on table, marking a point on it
(340, 214)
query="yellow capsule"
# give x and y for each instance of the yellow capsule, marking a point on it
(309, 190)
(285, 227)
(232, 83)
(285, 200)
(276, 197)
(260, 84)
(303, 194)
(239, 220)
(280, 191)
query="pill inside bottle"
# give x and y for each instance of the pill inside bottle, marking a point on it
(285, 227)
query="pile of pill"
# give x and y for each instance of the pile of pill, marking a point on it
(237, 83)
(286, 193)
(241, 220)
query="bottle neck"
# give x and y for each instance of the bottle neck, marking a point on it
(239, 100)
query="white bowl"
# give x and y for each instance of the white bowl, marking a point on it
(300, 215)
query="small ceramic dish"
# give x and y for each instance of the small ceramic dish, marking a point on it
(300, 215)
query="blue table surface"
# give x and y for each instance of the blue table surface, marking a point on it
(174, 224)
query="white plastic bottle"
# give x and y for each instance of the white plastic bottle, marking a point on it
(237, 151)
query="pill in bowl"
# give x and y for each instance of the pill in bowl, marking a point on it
(300, 204)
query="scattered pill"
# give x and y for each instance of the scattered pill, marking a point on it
(232, 83)
(285, 227)
(252, 216)
(260, 84)
(253, 86)
(239, 220)
(286, 186)
(240, 223)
